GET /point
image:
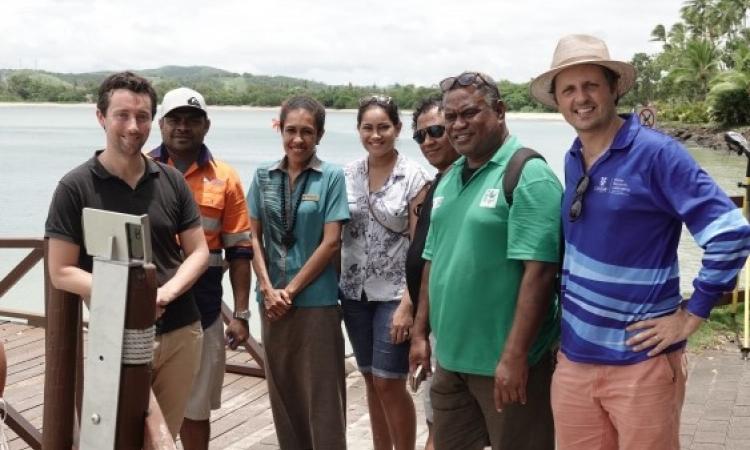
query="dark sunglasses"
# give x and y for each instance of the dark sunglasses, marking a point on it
(576, 206)
(435, 131)
(466, 79)
(380, 99)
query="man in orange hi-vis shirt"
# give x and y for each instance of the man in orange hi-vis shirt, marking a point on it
(217, 190)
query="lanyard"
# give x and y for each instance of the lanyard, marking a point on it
(288, 223)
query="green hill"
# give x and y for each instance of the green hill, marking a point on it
(221, 87)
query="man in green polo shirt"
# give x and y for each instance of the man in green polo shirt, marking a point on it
(489, 283)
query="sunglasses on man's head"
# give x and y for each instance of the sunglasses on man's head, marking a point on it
(380, 99)
(576, 206)
(466, 79)
(435, 131)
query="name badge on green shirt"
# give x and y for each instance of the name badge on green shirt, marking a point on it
(310, 197)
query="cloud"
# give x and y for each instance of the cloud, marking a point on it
(337, 42)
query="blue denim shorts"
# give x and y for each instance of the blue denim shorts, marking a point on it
(368, 325)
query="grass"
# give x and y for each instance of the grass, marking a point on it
(722, 327)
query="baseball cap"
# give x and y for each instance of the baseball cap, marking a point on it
(182, 98)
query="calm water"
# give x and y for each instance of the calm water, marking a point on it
(39, 144)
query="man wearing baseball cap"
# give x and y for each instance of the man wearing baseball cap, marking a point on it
(218, 192)
(620, 379)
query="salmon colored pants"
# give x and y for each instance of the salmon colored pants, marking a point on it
(608, 407)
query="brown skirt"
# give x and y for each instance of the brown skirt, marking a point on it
(305, 375)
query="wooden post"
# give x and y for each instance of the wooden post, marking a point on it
(62, 310)
(135, 381)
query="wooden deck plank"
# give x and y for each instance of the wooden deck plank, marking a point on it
(24, 338)
(243, 422)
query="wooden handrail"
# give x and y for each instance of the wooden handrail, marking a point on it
(22, 242)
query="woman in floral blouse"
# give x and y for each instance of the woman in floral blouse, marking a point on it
(383, 189)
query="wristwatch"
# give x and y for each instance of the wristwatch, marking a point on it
(242, 315)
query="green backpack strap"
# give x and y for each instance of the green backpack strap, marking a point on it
(514, 168)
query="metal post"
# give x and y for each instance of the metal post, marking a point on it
(746, 322)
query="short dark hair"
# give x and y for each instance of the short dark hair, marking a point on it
(425, 105)
(610, 75)
(310, 105)
(386, 103)
(124, 80)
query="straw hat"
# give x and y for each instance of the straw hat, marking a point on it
(574, 50)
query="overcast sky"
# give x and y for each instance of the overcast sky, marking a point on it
(333, 41)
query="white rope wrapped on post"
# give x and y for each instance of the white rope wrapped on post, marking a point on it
(138, 346)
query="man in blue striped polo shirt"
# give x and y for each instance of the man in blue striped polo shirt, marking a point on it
(621, 374)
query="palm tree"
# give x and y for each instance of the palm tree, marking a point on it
(700, 63)
(730, 16)
(659, 34)
(677, 35)
(695, 14)
(741, 8)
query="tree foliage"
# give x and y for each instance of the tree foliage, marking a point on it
(220, 87)
(704, 64)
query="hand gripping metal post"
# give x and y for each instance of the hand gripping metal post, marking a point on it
(738, 144)
(117, 378)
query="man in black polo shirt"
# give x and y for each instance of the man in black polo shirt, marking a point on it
(121, 179)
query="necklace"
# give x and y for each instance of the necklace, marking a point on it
(288, 239)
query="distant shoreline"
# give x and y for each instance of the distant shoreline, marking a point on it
(510, 115)
(93, 105)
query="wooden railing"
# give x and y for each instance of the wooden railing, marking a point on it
(62, 320)
(22, 427)
(22, 268)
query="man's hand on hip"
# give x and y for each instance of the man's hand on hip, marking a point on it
(662, 332)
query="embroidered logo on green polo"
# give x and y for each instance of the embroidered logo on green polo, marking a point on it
(489, 199)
